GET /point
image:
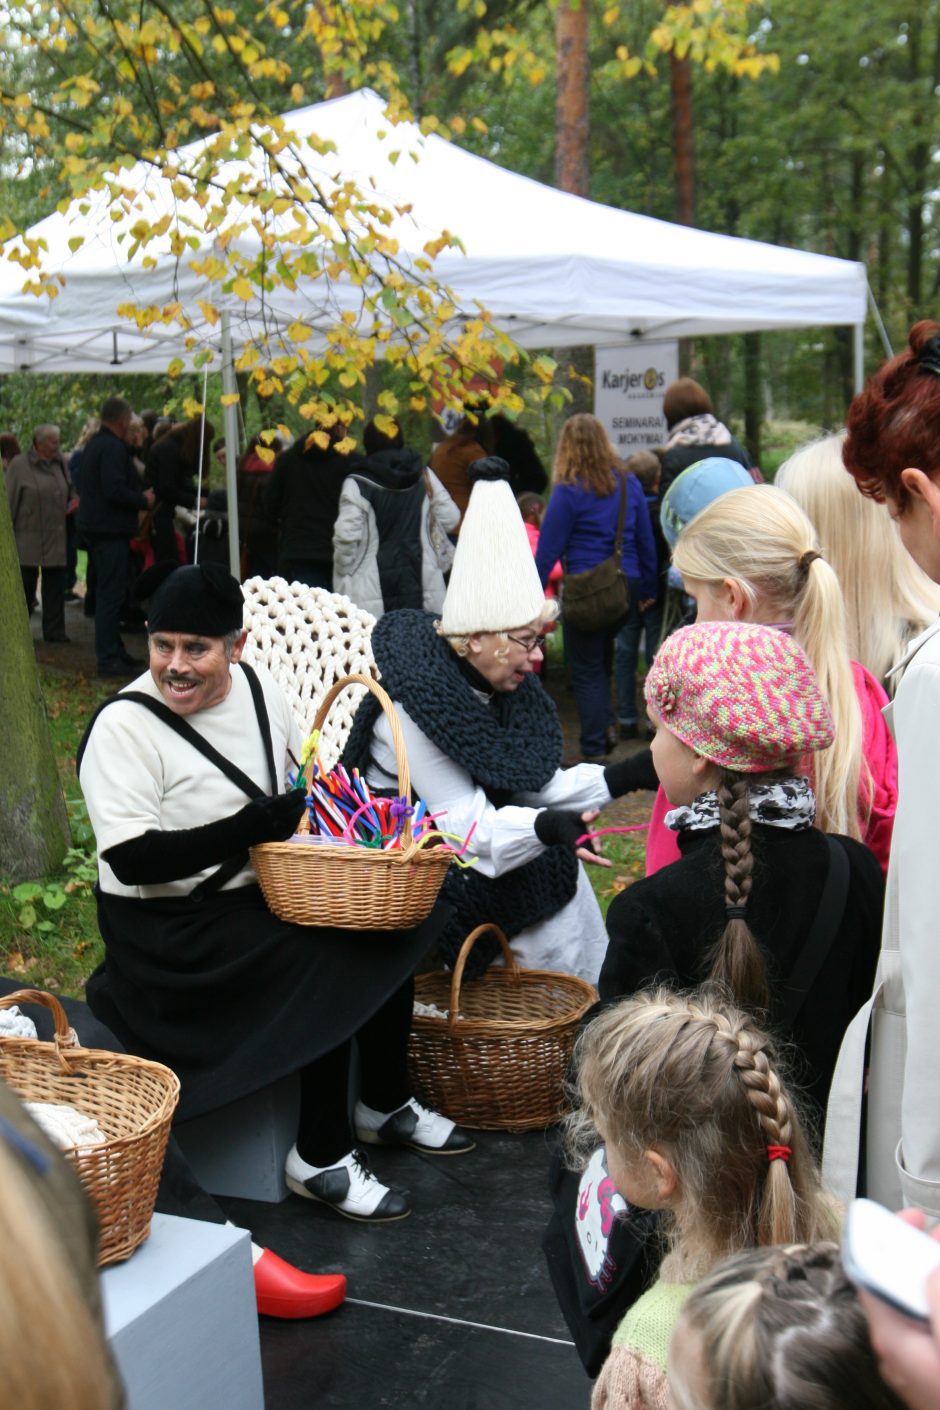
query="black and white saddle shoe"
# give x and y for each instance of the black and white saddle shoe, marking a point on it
(349, 1187)
(412, 1125)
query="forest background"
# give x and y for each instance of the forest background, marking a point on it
(804, 125)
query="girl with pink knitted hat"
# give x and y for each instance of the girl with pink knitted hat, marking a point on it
(785, 917)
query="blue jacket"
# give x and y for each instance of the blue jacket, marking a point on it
(580, 528)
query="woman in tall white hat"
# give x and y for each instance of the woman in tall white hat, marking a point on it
(484, 746)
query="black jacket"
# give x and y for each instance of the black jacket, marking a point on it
(680, 457)
(111, 496)
(663, 928)
(171, 476)
(516, 446)
(391, 481)
(302, 496)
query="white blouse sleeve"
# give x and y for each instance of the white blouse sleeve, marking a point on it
(502, 838)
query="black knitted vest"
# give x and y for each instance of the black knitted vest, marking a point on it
(509, 744)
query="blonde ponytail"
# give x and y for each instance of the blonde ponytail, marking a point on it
(760, 538)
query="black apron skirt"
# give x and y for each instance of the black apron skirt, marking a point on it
(230, 997)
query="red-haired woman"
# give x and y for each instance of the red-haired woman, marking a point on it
(893, 450)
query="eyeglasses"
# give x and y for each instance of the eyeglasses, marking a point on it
(528, 644)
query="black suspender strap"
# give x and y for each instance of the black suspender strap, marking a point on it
(821, 936)
(184, 730)
(264, 724)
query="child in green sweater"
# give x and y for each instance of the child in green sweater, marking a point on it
(685, 1093)
(776, 1329)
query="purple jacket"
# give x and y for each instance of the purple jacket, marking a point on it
(580, 528)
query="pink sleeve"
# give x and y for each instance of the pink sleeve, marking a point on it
(880, 754)
(662, 845)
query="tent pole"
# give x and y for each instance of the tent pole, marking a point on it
(885, 340)
(230, 426)
(858, 355)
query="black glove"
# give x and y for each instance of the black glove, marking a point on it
(630, 774)
(273, 819)
(157, 857)
(555, 827)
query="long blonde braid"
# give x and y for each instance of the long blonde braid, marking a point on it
(694, 1077)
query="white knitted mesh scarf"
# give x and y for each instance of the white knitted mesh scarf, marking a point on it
(308, 638)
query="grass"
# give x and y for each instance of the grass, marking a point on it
(627, 851)
(48, 927)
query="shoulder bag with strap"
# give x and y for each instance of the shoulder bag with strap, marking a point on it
(217, 879)
(599, 597)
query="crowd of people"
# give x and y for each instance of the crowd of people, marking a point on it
(789, 711)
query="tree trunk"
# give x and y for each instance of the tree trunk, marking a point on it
(34, 829)
(683, 146)
(334, 84)
(415, 66)
(571, 98)
(572, 167)
(854, 250)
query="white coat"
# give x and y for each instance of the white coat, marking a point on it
(912, 915)
(365, 575)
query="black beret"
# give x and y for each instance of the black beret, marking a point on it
(203, 599)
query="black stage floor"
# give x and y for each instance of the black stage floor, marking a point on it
(450, 1309)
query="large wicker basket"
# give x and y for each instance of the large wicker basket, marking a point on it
(497, 1062)
(132, 1101)
(354, 888)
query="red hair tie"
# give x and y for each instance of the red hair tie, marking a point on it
(779, 1153)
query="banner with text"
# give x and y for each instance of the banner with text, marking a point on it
(628, 393)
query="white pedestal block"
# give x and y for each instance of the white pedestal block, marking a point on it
(181, 1319)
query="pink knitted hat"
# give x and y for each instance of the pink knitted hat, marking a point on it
(744, 696)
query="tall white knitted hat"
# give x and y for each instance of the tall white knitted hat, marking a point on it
(493, 584)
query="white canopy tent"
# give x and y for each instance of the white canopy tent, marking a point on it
(553, 269)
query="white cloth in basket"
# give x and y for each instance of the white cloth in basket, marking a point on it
(64, 1125)
(14, 1024)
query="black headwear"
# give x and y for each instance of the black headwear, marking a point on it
(489, 467)
(204, 599)
(929, 356)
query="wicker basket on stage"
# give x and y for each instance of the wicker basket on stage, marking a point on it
(132, 1101)
(498, 1061)
(354, 888)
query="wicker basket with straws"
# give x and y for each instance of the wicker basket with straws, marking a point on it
(497, 1060)
(356, 887)
(132, 1101)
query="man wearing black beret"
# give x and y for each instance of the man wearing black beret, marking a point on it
(182, 773)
